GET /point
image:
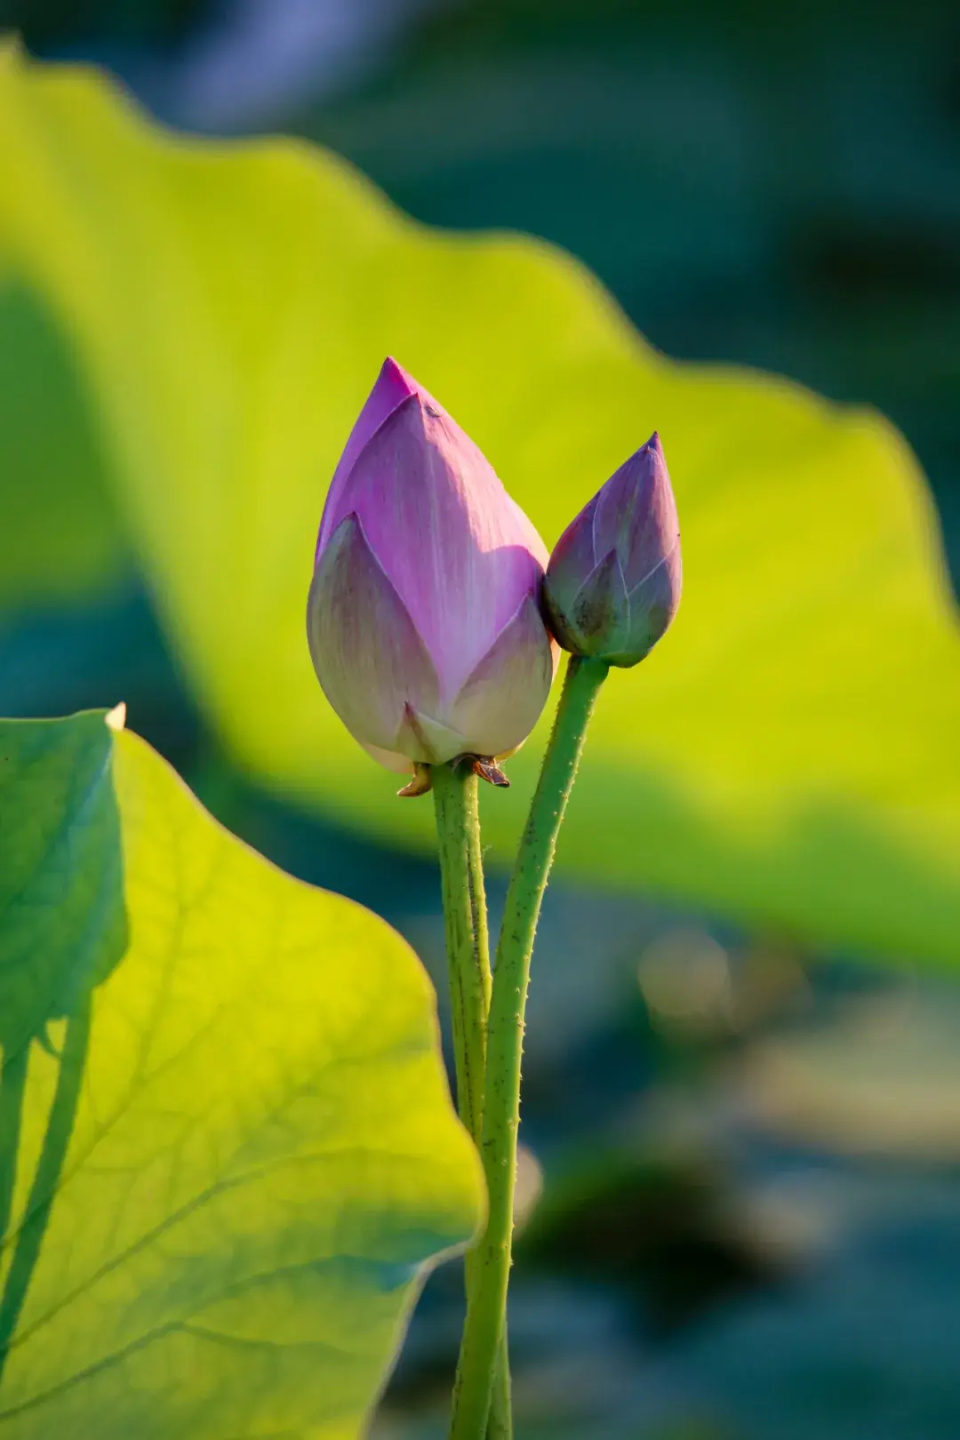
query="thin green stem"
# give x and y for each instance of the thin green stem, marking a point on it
(456, 802)
(63, 1111)
(486, 1307)
(12, 1088)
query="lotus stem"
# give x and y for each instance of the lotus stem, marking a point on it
(455, 791)
(486, 1307)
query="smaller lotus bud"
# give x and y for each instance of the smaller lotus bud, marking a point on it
(613, 582)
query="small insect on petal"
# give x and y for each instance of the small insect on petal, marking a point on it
(488, 770)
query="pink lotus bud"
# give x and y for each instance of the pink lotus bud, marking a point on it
(613, 582)
(423, 618)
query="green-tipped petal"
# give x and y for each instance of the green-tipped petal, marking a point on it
(427, 740)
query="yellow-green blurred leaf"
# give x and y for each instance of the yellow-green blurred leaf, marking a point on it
(788, 754)
(60, 535)
(229, 1084)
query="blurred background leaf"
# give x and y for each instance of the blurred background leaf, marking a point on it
(60, 538)
(257, 1153)
(788, 756)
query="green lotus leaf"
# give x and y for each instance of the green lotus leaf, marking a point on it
(227, 1150)
(788, 753)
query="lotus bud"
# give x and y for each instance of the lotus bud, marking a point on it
(613, 582)
(424, 616)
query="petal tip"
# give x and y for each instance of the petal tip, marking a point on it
(651, 450)
(399, 383)
(399, 386)
(116, 718)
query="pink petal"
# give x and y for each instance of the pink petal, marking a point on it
(636, 513)
(390, 759)
(460, 554)
(423, 738)
(502, 699)
(600, 611)
(393, 386)
(653, 605)
(573, 555)
(368, 656)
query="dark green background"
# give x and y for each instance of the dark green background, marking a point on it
(777, 186)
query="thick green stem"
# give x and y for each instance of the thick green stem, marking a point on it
(468, 963)
(465, 924)
(486, 1306)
